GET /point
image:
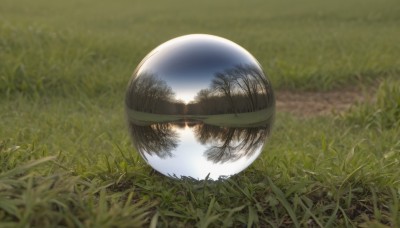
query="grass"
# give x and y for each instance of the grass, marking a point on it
(385, 113)
(223, 120)
(65, 154)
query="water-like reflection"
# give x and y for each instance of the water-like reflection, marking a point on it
(194, 149)
(155, 139)
(230, 144)
(199, 104)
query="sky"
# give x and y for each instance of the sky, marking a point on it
(189, 160)
(189, 63)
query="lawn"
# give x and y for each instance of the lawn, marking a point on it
(249, 119)
(65, 153)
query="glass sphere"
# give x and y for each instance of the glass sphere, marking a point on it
(199, 106)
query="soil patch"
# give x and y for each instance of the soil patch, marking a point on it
(310, 104)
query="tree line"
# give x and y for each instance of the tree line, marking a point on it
(150, 94)
(243, 88)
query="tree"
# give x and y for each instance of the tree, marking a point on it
(147, 92)
(224, 84)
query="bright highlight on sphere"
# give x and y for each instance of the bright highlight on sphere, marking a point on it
(199, 105)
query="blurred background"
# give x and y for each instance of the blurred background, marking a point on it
(97, 44)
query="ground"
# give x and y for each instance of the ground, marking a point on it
(249, 119)
(316, 103)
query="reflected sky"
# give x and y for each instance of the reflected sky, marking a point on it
(189, 158)
(188, 67)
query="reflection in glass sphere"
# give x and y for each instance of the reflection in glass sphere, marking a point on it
(199, 105)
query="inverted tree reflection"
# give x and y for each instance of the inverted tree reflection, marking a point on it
(222, 144)
(157, 139)
(230, 144)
